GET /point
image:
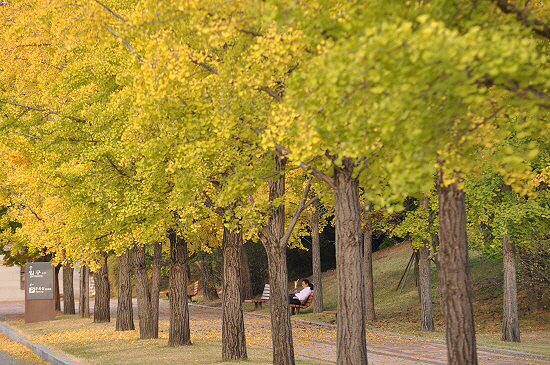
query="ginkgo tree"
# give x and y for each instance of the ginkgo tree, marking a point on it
(407, 92)
(153, 102)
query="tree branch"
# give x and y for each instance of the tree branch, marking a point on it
(117, 169)
(251, 32)
(318, 174)
(124, 42)
(271, 93)
(43, 110)
(292, 69)
(306, 167)
(298, 212)
(206, 66)
(485, 120)
(433, 255)
(110, 11)
(27, 135)
(210, 204)
(522, 16)
(30, 107)
(32, 211)
(514, 87)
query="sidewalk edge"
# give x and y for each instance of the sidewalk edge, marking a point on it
(43, 352)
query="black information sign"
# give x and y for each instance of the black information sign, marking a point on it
(39, 280)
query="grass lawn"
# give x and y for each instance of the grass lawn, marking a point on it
(98, 343)
(400, 312)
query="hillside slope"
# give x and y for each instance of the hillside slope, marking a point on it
(400, 312)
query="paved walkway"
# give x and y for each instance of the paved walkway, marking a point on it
(318, 340)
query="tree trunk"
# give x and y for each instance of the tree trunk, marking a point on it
(155, 286)
(145, 307)
(454, 276)
(281, 329)
(68, 290)
(416, 267)
(425, 282)
(233, 335)
(351, 341)
(208, 286)
(318, 305)
(370, 314)
(57, 296)
(125, 312)
(425, 289)
(102, 310)
(246, 283)
(180, 333)
(510, 322)
(84, 310)
(533, 293)
(434, 241)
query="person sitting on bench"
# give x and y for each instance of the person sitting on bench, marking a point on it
(300, 297)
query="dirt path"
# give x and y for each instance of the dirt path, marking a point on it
(317, 341)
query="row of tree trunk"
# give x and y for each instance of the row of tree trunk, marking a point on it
(354, 259)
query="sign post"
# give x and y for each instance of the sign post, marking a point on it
(39, 292)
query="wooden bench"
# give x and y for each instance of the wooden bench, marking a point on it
(297, 307)
(264, 298)
(190, 295)
(195, 290)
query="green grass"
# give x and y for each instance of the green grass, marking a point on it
(400, 312)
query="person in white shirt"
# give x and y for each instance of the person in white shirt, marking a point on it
(300, 297)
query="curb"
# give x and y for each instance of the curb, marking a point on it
(43, 352)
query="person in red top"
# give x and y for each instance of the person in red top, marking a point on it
(300, 297)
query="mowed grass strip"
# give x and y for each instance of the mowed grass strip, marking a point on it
(98, 343)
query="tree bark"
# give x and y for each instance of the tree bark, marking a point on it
(57, 295)
(510, 322)
(318, 305)
(147, 328)
(454, 276)
(281, 328)
(425, 289)
(208, 286)
(351, 340)
(102, 309)
(246, 283)
(180, 333)
(155, 286)
(84, 303)
(370, 314)
(533, 293)
(68, 290)
(425, 285)
(125, 312)
(233, 335)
